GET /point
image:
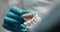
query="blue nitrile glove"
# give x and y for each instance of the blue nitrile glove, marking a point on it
(13, 19)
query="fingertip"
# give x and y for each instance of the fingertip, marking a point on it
(22, 25)
(23, 28)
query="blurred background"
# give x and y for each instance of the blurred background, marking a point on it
(37, 5)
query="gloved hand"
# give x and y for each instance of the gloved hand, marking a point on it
(13, 19)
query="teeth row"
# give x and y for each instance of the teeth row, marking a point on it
(31, 23)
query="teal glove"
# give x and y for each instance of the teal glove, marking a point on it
(13, 19)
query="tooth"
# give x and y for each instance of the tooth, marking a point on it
(27, 23)
(31, 22)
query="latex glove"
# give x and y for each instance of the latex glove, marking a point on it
(13, 19)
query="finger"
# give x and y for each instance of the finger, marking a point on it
(13, 16)
(10, 21)
(15, 10)
(18, 11)
(8, 27)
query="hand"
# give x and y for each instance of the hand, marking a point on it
(13, 19)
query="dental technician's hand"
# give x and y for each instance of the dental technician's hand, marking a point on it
(13, 19)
